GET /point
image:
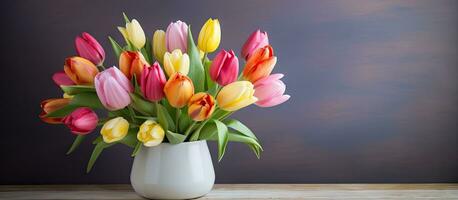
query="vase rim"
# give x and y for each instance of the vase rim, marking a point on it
(182, 143)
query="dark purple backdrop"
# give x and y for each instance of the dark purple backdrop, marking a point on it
(373, 86)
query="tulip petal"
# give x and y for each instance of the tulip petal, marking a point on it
(273, 102)
(60, 78)
(116, 97)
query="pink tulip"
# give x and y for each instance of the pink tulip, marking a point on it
(152, 82)
(81, 121)
(256, 40)
(87, 47)
(61, 78)
(224, 68)
(176, 36)
(113, 88)
(270, 91)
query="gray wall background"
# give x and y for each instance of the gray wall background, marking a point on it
(373, 86)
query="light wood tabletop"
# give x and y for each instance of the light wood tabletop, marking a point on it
(243, 191)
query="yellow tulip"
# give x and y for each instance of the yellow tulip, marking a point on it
(114, 130)
(209, 36)
(176, 62)
(133, 32)
(178, 90)
(236, 95)
(150, 133)
(159, 47)
(201, 106)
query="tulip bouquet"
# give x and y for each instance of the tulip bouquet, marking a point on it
(191, 101)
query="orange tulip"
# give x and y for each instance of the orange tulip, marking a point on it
(80, 70)
(132, 62)
(51, 105)
(178, 90)
(201, 106)
(260, 64)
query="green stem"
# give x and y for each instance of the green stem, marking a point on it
(132, 114)
(203, 58)
(198, 131)
(225, 116)
(190, 128)
(101, 66)
(177, 118)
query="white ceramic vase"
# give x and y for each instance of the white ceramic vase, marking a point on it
(173, 171)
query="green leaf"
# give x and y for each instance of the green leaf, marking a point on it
(222, 138)
(142, 105)
(137, 148)
(126, 19)
(76, 89)
(146, 51)
(251, 142)
(174, 138)
(116, 47)
(184, 122)
(76, 143)
(87, 99)
(208, 131)
(130, 139)
(196, 70)
(239, 127)
(164, 118)
(99, 147)
(63, 111)
(236, 137)
(167, 106)
(210, 86)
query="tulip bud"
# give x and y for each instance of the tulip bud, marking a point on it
(88, 47)
(176, 62)
(132, 62)
(113, 89)
(150, 133)
(159, 47)
(260, 64)
(60, 78)
(176, 36)
(80, 70)
(224, 68)
(270, 91)
(114, 130)
(178, 90)
(236, 95)
(152, 82)
(81, 121)
(256, 41)
(51, 105)
(209, 36)
(133, 32)
(201, 106)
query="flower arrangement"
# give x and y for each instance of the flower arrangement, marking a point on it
(191, 101)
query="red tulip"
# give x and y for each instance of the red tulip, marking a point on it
(224, 68)
(60, 78)
(256, 40)
(81, 121)
(152, 82)
(88, 47)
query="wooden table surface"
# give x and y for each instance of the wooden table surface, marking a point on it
(243, 191)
